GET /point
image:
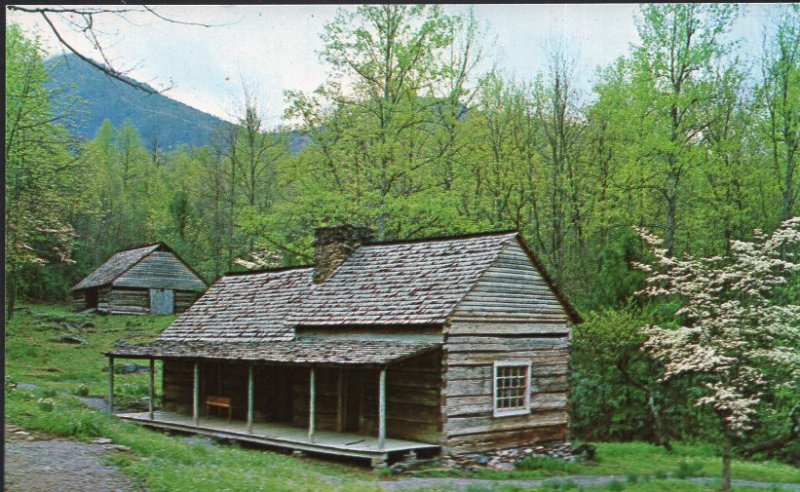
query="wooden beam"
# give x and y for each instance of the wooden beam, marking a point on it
(312, 397)
(110, 384)
(152, 404)
(340, 400)
(250, 398)
(196, 395)
(382, 409)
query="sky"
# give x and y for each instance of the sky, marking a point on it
(273, 48)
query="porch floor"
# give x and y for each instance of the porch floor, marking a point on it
(281, 435)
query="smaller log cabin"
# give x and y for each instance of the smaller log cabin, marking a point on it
(143, 280)
(380, 350)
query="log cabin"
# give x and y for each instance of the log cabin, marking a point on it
(149, 279)
(381, 350)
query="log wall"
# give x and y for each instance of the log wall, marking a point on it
(511, 314)
(413, 406)
(78, 301)
(271, 389)
(104, 300)
(184, 299)
(129, 301)
(177, 380)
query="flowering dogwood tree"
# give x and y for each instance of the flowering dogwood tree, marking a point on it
(736, 330)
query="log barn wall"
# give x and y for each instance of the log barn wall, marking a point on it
(104, 299)
(510, 314)
(184, 299)
(129, 301)
(78, 300)
(116, 300)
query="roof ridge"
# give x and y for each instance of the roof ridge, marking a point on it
(267, 270)
(443, 238)
(141, 246)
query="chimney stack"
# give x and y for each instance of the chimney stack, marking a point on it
(333, 245)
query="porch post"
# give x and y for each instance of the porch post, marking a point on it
(111, 384)
(196, 395)
(312, 397)
(382, 409)
(152, 386)
(250, 398)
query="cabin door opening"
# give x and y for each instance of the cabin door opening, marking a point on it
(91, 299)
(162, 301)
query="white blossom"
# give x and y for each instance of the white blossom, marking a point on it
(733, 324)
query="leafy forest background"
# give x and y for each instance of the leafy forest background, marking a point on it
(682, 136)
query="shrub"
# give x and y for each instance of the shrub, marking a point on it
(46, 404)
(82, 390)
(688, 469)
(616, 486)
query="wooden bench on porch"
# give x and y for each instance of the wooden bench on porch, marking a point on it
(219, 402)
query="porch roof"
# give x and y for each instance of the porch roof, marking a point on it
(349, 352)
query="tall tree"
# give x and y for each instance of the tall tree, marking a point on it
(780, 97)
(383, 122)
(675, 92)
(42, 178)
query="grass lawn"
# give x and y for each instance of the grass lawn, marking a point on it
(35, 355)
(641, 462)
(158, 461)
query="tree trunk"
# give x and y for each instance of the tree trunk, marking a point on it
(726, 464)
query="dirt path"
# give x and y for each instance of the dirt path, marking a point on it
(465, 483)
(34, 462)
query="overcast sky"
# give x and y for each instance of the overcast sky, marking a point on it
(273, 47)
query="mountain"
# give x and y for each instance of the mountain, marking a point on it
(153, 115)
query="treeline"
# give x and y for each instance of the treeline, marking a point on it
(682, 136)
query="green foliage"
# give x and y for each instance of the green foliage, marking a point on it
(547, 464)
(687, 469)
(43, 181)
(615, 389)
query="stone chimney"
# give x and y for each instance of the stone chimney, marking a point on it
(333, 245)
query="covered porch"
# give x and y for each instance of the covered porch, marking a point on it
(308, 396)
(284, 436)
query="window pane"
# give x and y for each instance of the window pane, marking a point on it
(511, 386)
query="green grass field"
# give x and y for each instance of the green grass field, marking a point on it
(35, 355)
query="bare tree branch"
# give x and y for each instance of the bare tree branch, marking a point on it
(86, 25)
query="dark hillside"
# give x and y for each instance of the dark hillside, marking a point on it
(153, 115)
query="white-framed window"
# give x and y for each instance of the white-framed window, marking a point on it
(512, 387)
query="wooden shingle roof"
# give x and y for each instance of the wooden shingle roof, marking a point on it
(353, 352)
(115, 266)
(413, 282)
(250, 307)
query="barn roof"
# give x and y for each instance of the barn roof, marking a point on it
(400, 283)
(246, 307)
(115, 266)
(127, 269)
(353, 352)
